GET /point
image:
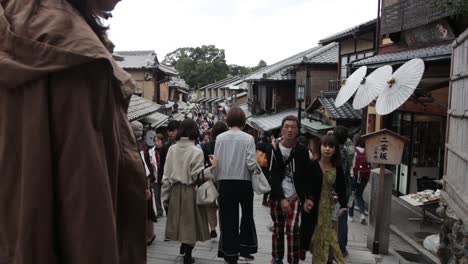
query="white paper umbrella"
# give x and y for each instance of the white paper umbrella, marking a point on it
(402, 85)
(372, 86)
(350, 86)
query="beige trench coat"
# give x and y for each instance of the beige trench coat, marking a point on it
(72, 184)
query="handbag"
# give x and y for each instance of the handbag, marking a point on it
(207, 193)
(260, 183)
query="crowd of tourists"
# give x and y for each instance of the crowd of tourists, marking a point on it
(314, 184)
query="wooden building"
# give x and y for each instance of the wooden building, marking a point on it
(415, 29)
(455, 188)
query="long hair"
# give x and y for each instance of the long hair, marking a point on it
(85, 11)
(218, 128)
(329, 140)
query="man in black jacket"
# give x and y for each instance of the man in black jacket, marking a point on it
(288, 172)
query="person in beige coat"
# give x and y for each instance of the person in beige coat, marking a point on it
(72, 182)
(186, 221)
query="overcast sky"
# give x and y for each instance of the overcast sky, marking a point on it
(248, 30)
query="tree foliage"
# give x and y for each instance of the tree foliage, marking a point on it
(199, 66)
(203, 65)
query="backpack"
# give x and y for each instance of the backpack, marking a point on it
(361, 167)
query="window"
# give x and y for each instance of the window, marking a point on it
(344, 67)
(345, 59)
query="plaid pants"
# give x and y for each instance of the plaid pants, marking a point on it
(289, 222)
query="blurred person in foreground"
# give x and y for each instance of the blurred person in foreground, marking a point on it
(73, 185)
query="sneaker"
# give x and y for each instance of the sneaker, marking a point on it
(363, 220)
(345, 254)
(350, 219)
(213, 234)
(247, 257)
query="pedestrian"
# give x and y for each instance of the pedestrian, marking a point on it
(186, 221)
(208, 149)
(66, 148)
(137, 128)
(288, 172)
(308, 219)
(346, 150)
(264, 152)
(172, 131)
(235, 152)
(361, 172)
(155, 154)
(322, 191)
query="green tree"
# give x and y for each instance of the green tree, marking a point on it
(239, 70)
(199, 66)
(261, 64)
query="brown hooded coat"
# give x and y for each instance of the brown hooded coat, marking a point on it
(72, 184)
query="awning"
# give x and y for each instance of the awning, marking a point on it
(155, 119)
(169, 104)
(441, 52)
(313, 127)
(179, 116)
(245, 108)
(182, 91)
(203, 100)
(268, 122)
(211, 100)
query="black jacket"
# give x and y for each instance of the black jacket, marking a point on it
(313, 184)
(312, 191)
(300, 157)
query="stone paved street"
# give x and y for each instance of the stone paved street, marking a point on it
(161, 252)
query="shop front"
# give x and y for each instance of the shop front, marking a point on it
(423, 157)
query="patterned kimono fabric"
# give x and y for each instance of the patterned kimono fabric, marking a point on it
(325, 238)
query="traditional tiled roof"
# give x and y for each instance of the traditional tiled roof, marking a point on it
(140, 107)
(155, 119)
(327, 55)
(282, 69)
(314, 127)
(142, 59)
(269, 122)
(327, 100)
(168, 70)
(427, 54)
(349, 32)
(179, 83)
(221, 83)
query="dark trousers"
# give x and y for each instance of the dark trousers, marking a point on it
(343, 232)
(157, 198)
(233, 193)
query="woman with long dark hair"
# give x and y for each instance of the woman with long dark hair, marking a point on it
(71, 171)
(324, 189)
